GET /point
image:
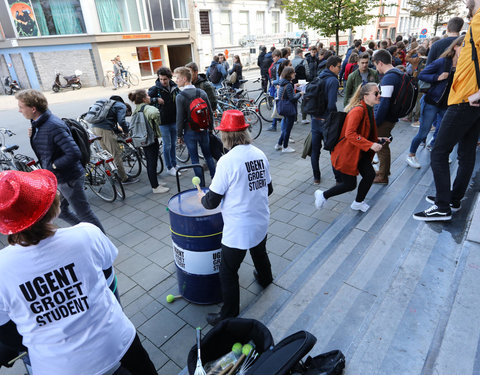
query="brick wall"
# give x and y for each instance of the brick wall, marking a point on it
(65, 62)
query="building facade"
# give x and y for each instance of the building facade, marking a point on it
(41, 37)
(239, 27)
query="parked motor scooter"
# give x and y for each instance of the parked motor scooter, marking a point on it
(72, 81)
(11, 86)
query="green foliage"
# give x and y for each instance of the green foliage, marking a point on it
(440, 9)
(329, 17)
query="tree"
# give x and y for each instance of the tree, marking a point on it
(436, 8)
(329, 17)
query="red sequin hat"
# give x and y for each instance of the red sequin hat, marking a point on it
(232, 121)
(25, 197)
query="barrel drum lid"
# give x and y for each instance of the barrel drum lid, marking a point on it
(196, 241)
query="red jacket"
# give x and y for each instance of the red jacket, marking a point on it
(355, 137)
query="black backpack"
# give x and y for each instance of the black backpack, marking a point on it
(332, 129)
(314, 98)
(406, 97)
(214, 75)
(81, 138)
(300, 71)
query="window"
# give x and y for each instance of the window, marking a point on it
(244, 24)
(118, 15)
(149, 60)
(275, 22)
(260, 23)
(225, 27)
(180, 14)
(204, 22)
(289, 27)
(54, 17)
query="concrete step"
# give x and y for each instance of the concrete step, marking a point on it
(388, 291)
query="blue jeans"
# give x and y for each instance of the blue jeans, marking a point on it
(73, 195)
(192, 140)
(169, 137)
(287, 125)
(461, 124)
(428, 114)
(317, 137)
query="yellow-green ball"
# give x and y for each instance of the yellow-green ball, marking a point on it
(196, 180)
(247, 348)
(170, 298)
(237, 348)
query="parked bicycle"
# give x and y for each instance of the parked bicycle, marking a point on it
(134, 157)
(101, 173)
(10, 160)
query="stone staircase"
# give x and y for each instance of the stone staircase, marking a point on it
(397, 296)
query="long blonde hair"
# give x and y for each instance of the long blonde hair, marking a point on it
(359, 94)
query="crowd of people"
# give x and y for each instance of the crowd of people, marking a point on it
(59, 266)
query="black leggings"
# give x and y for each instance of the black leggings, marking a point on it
(137, 361)
(349, 183)
(151, 156)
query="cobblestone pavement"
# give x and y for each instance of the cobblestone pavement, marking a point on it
(139, 227)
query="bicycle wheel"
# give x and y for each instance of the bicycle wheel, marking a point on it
(265, 109)
(117, 181)
(131, 159)
(133, 79)
(100, 182)
(181, 152)
(253, 119)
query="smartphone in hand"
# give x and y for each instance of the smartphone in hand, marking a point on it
(382, 141)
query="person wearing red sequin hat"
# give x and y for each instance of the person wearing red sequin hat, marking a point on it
(53, 289)
(242, 183)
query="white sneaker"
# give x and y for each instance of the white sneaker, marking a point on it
(160, 189)
(288, 149)
(413, 162)
(278, 147)
(290, 140)
(173, 172)
(319, 199)
(305, 121)
(359, 206)
(162, 183)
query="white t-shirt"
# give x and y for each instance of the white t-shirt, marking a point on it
(57, 295)
(242, 177)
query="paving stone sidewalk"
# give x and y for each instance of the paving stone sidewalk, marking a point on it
(139, 227)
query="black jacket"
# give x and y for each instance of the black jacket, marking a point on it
(260, 58)
(266, 63)
(53, 143)
(168, 111)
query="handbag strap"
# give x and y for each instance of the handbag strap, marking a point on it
(475, 58)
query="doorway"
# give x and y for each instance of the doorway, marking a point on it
(179, 55)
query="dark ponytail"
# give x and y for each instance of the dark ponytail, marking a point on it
(137, 96)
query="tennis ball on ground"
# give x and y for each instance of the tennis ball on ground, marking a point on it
(170, 298)
(196, 180)
(237, 348)
(247, 348)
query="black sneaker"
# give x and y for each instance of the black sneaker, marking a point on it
(433, 214)
(130, 180)
(453, 206)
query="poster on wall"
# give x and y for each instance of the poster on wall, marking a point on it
(23, 17)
